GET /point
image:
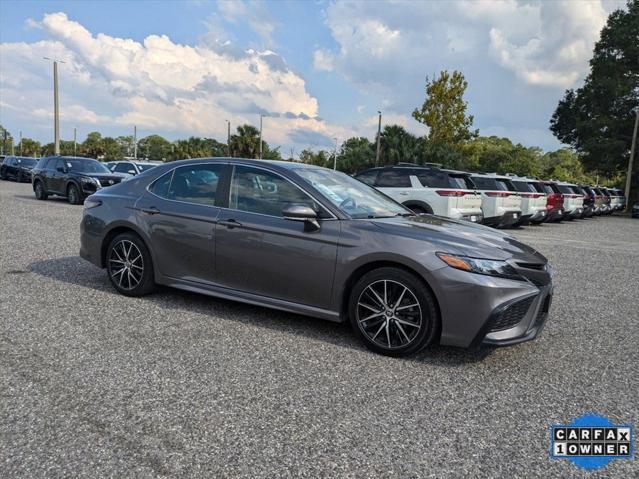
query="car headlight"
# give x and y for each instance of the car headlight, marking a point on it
(488, 267)
(89, 181)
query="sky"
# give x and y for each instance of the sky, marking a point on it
(316, 70)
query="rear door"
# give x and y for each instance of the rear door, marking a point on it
(179, 212)
(396, 183)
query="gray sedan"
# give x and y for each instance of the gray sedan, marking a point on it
(317, 242)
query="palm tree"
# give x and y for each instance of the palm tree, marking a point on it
(397, 145)
(246, 142)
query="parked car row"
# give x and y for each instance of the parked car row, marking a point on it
(72, 177)
(489, 198)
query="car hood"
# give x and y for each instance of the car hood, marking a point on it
(461, 237)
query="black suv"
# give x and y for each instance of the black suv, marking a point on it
(73, 177)
(17, 168)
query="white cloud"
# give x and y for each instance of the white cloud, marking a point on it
(323, 60)
(254, 12)
(157, 84)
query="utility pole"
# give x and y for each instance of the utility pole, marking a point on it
(261, 118)
(4, 141)
(135, 142)
(75, 140)
(632, 157)
(228, 138)
(335, 155)
(379, 131)
(56, 106)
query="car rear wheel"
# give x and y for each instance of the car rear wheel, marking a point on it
(129, 265)
(73, 195)
(393, 312)
(40, 192)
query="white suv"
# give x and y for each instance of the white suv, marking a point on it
(500, 201)
(573, 200)
(428, 189)
(533, 200)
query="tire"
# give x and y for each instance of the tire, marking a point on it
(40, 192)
(136, 279)
(390, 332)
(73, 195)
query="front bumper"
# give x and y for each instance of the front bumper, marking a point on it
(517, 321)
(470, 303)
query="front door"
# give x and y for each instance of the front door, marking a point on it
(260, 252)
(179, 214)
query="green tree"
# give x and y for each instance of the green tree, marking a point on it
(444, 110)
(597, 119)
(246, 144)
(112, 149)
(6, 141)
(565, 165)
(355, 154)
(397, 145)
(154, 147)
(30, 147)
(319, 158)
(92, 146)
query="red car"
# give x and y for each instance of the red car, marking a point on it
(555, 202)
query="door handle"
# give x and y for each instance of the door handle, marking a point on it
(152, 210)
(230, 223)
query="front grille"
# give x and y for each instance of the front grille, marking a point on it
(111, 182)
(512, 315)
(536, 266)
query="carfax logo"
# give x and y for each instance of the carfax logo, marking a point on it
(591, 441)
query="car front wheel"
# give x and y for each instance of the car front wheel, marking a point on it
(40, 193)
(393, 312)
(73, 195)
(129, 265)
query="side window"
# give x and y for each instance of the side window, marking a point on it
(50, 164)
(395, 178)
(160, 187)
(123, 167)
(196, 184)
(60, 164)
(260, 191)
(368, 177)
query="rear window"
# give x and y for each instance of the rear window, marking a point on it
(551, 188)
(462, 182)
(395, 178)
(367, 177)
(577, 190)
(524, 187)
(566, 190)
(493, 184)
(537, 187)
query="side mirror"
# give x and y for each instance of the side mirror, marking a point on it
(298, 212)
(61, 169)
(131, 172)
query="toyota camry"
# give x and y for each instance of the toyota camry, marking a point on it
(318, 242)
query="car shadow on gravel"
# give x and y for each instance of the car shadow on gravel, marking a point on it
(51, 199)
(76, 271)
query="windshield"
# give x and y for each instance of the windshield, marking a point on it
(86, 166)
(144, 166)
(30, 162)
(353, 197)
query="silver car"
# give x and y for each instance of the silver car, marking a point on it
(317, 242)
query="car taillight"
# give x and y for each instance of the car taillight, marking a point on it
(501, 194)
(531, 195)
(450, 193)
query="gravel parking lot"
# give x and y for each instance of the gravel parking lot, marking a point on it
(177, 384)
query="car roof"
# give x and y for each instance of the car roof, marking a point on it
(491, 175)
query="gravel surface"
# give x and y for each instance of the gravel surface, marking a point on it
(175, 384)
